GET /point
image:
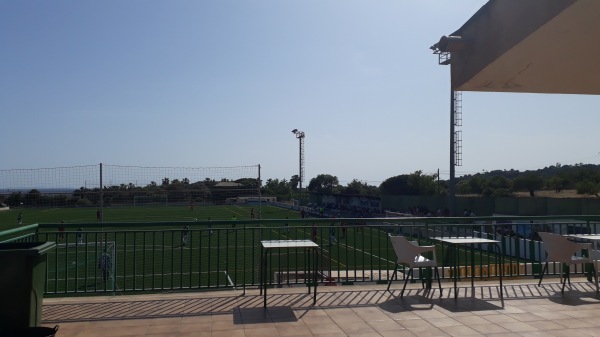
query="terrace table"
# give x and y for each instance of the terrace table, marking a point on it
(594, 238)
(591, 237)
(268, 245)
(469, 240)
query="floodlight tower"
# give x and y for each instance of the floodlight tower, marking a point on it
(445, 48)
(300, 137)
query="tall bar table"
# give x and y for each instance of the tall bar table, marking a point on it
(469, 240)
(308, 245)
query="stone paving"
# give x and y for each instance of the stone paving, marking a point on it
(364, 310)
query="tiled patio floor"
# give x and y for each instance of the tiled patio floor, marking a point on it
(366, 310)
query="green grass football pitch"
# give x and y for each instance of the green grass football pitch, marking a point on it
(74, 216)
(153, 257)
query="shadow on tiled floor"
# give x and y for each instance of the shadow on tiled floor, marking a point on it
(367, 310)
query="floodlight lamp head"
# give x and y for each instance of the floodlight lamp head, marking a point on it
(295, 131)
(451, 44)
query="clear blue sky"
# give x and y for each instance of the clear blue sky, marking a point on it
(222, 83)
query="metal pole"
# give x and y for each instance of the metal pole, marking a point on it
(300, 136)
(259, 197)
(438, 182)
(300, 164)
(101, 196)
(452, 157)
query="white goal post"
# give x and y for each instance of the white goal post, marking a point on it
(92, 259)
(390, 214)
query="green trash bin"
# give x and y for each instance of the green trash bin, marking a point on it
(22, 281)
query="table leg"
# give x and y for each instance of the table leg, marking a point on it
(472, 269)
(308, 269)
(456, 271)
(315, 252)
(501, 257)
(265, 277)
(261, 270)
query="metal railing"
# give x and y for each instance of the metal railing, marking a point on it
(21, 234)
(167, 256)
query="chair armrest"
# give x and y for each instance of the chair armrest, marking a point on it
(582, 245)
(425, 249)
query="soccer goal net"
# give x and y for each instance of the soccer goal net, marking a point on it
(89, 264)
(178, 186)
(150, 200)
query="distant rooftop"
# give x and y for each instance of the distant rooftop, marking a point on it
(227, 184)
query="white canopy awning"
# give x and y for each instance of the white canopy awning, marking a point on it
(533, 46)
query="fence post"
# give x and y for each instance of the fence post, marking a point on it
(101, 196)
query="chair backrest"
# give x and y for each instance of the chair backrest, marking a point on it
(406, 251)
(558, 247)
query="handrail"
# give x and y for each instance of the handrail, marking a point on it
(155, 257)
(430, 220)
(18, 229)
(9, 233)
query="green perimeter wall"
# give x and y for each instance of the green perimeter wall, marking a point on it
(483, 206)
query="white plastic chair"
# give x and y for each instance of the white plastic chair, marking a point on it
(409, 255)
(595, 257)
(560, 249)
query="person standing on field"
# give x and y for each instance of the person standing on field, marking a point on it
(332, 231)
(184, 235)
(61, 230)
(105, 265)
(80, 235)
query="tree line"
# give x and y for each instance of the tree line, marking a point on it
(583, 178)
(180, 191)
